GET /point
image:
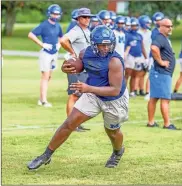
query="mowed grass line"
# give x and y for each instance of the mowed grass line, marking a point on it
(153, 156)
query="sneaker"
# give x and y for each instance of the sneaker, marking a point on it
(142, 93)
(147, 97)
(45, 104)
(79, 130)
(136, 93)
(132, 94)
(83, 128)
(39, 103)
(154, 125)
(114, 159)
(39, 161)
(171, 127)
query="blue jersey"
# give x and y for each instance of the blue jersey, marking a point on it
(135, 41)
(154, 33)
(98, 68)
(71, 25)
(180, 55)
(166, 52)
(49, 34)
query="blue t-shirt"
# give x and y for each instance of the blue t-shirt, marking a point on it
(180, 55)
(154, 33)
(71, 25)
(166, 52)
(98, 68)
(49, 34)
(135, 41)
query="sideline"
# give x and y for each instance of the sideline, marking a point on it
(25, 53)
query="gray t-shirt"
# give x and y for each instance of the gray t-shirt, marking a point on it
(79, 38)
(164, 44)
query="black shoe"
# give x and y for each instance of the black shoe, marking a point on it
(136, 92)
(37, 162)
(79, 130)
(171, 127)
(114, 159)
(142, 93)
(153, 125)
(83, 128)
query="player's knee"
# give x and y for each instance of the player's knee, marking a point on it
(113, 133)
(69, 125)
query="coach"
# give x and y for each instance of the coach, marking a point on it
(161, 75)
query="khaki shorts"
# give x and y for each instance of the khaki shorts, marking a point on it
(114, 112)
(47, 61)
(135, 63)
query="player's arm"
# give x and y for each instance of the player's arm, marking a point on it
(115, 81)
(126, 52)
(34, 38)
(144, 51)
(65, 43)
(157, 56)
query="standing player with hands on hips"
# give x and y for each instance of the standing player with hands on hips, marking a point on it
(104, 92)
(51, 32)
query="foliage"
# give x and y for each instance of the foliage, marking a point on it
(170, 8)
(25, 14)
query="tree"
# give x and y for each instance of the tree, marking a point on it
(170, 8)
(10, 16)
(11, 8)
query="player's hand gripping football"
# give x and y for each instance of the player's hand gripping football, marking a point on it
(68, 68)
(80, 86)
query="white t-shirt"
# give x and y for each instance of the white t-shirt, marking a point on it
(78, 40)
(120, 42)
(146, 40)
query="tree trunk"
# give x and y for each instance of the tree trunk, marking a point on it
(10, 18)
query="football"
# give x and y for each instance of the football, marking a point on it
(77, 63)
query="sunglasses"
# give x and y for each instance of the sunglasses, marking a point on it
(86, 17)
(168, 26)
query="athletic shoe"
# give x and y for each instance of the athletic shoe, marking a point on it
(45, 104)
(39, 161)
(79, 130)
(147, 97)
(114, 159)
(154, 125)
(171, 127)
(142, 93)
(83, 128)
(132, 94)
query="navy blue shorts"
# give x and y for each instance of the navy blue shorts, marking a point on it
(160, 85)
(73, 78)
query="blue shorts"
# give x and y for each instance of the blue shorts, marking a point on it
(73, 78)
(160, 85)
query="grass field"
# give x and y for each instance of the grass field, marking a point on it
(153, 156)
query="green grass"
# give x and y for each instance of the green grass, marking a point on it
(153, 156)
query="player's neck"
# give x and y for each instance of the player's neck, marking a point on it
(52, 22)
